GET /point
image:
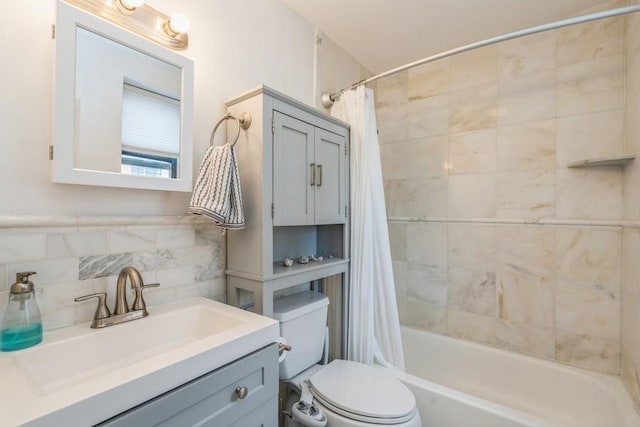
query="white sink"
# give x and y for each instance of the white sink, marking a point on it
(88, 375)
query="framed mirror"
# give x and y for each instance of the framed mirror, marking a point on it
(123, 107)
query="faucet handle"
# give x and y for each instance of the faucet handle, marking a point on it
(102, 310)
(138, 302)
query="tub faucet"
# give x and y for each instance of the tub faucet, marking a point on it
(122, 313)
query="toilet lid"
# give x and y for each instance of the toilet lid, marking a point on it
(363, 392)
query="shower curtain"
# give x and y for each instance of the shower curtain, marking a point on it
(373, 325)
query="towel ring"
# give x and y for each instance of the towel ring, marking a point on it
(243, 122)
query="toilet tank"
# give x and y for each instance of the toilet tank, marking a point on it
(303, 320)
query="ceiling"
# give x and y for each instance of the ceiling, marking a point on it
(384, 34)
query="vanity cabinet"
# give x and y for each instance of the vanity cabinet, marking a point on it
(242, 393)
(293, 163)
(309, 173)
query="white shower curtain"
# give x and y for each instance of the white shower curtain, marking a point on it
(373, 325)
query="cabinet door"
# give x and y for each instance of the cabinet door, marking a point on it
(212, 400)
(293, 167)
(331, 165)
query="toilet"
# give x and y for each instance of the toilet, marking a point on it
(341, 393)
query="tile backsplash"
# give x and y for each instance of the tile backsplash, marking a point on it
(74, 257)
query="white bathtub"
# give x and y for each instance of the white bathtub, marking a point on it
(457, 383)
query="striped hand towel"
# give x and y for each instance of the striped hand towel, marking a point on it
(216, 193)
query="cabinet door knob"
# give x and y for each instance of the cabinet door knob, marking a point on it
(242, 392)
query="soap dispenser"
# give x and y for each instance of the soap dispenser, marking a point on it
(21, 326)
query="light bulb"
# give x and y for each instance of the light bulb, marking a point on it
(178, 24)
(131, 5)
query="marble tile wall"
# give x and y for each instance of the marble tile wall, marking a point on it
(631, 234)
(186, 259)
(494, 239)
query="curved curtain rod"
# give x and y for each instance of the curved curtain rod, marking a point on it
(329, 98)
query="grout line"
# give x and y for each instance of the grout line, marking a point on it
(519, 221)
(42, 221)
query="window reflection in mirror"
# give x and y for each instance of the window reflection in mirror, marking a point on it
(150, 133)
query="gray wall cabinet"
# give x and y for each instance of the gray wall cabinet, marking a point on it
(294, 174)
(309, 173)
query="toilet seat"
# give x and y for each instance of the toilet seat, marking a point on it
(363, 393)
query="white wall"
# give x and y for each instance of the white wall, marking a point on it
(236, 45)
(335, 68)
(78, 238)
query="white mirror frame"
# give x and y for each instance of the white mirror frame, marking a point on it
(63, 169)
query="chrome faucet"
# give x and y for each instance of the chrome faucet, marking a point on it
(103, 317)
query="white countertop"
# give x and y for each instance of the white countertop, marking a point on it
(111, 388)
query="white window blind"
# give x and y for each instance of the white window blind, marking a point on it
(150, 121)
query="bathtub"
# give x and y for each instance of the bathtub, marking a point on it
(458, 383)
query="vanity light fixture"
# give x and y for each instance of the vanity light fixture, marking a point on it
(142, 19)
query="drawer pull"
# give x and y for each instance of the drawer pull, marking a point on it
(242, 392)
